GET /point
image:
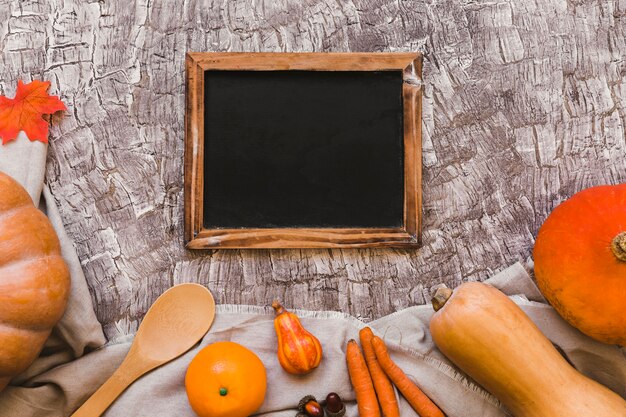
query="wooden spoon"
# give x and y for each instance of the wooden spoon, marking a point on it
(177, 320)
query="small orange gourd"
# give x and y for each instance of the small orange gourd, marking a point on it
(34, 280)
(491, 339)
(580, 262)
(299, 352)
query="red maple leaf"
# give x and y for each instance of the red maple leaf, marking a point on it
(24, 112)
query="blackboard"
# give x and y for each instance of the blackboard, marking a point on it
(302, 150)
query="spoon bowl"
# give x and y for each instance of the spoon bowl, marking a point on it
(177, 320)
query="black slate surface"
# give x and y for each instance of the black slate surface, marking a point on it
(303, 149)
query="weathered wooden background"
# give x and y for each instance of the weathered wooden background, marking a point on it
(525, 104)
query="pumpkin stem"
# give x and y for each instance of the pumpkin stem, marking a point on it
(441, 297)
(619, 246)
(278, 308)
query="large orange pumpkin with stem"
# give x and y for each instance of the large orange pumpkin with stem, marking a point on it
(34, 279)
(580, 262)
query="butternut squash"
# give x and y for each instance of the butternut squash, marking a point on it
(491, 339)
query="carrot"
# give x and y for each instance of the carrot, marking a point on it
(418, 400)
(361, 381)
(382, 385)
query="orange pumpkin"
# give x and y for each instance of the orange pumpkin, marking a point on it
(580, 262)
(34, 280)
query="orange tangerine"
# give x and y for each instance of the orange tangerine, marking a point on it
(225, 379)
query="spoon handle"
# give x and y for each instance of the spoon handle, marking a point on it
(98, 403)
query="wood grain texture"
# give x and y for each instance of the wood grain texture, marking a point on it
(300, 238)
(303, 61)
(524, 104)
(406, 236)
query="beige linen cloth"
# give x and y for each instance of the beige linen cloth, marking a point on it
(64, 377)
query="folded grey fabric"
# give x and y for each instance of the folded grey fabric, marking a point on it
(61, 390)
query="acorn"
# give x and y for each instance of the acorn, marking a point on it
(334, 406)
(309, 407)
(313, 409)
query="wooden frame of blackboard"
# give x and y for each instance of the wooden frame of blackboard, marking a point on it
(198, 237)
